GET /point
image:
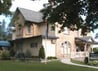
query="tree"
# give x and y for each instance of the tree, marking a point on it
(3, 35)
(0, 31)
(69, 13)
(4, 6)
(42, 53)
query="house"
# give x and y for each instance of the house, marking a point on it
(31, 33)
(71, 44)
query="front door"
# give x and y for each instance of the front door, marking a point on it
(66, 49)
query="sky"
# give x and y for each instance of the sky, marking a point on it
(32, 5)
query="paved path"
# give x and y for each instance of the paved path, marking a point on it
(67, 61)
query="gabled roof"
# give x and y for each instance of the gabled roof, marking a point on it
(85, 39)
(31, 16)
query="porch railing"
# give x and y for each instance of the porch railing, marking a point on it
(81, 54)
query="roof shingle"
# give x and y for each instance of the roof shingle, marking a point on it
(31, 16)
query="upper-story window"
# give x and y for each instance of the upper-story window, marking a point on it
(19, 31)
(66, 31)
(28, 28)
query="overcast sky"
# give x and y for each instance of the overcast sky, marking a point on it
(33, 5)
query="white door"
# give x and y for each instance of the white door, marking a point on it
(65, 48)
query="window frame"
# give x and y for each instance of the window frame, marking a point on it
(28, 28)
(34, 45)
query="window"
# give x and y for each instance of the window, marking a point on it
(19, 29)
(66, 31)
(53, 41)
(79, 48)
(28, 28)
(34, 45)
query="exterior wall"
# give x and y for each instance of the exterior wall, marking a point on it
(18, 20)
(26, 46)
(50, 48)
(36, 29)
(69, 37)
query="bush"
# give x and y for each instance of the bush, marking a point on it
(77, 61)
(5, 55)
(86, 60)
(51, 58)
(94, 63)
(95, 50)
(12, 52)
(20, 55)
(28, 54)
(42, 53)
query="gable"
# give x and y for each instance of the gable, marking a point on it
(31, 16)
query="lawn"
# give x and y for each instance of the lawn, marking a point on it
(35, 66)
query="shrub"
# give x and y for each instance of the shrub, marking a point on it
(20, 55)
(42, 53)
(51, 57)
(95, 50)
(94, 63)
(28, 54)
(77, 61)
(86, 60)
(5, 55)
(12, 52)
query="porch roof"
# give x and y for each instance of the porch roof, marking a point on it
(87, 39)
(42, 36)
(5, 43)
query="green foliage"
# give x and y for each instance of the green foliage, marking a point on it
(42, 53)
(28, 54)
(86, 60)
(93, 63)
(77, 61)
(95, 50)
(51, 58)
(68, 13)
(5, 55)
(12, 52)
(5, 6)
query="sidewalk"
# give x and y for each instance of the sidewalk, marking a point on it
(67, 61)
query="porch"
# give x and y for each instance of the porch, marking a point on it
(83, 47)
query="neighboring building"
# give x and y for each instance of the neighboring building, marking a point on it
(31, 32)
(4, 45)
(71, 44)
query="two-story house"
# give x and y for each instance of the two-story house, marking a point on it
(31, 32)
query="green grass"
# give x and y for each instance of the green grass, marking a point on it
(35, 66)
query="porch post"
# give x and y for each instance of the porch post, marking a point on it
(85, 48)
